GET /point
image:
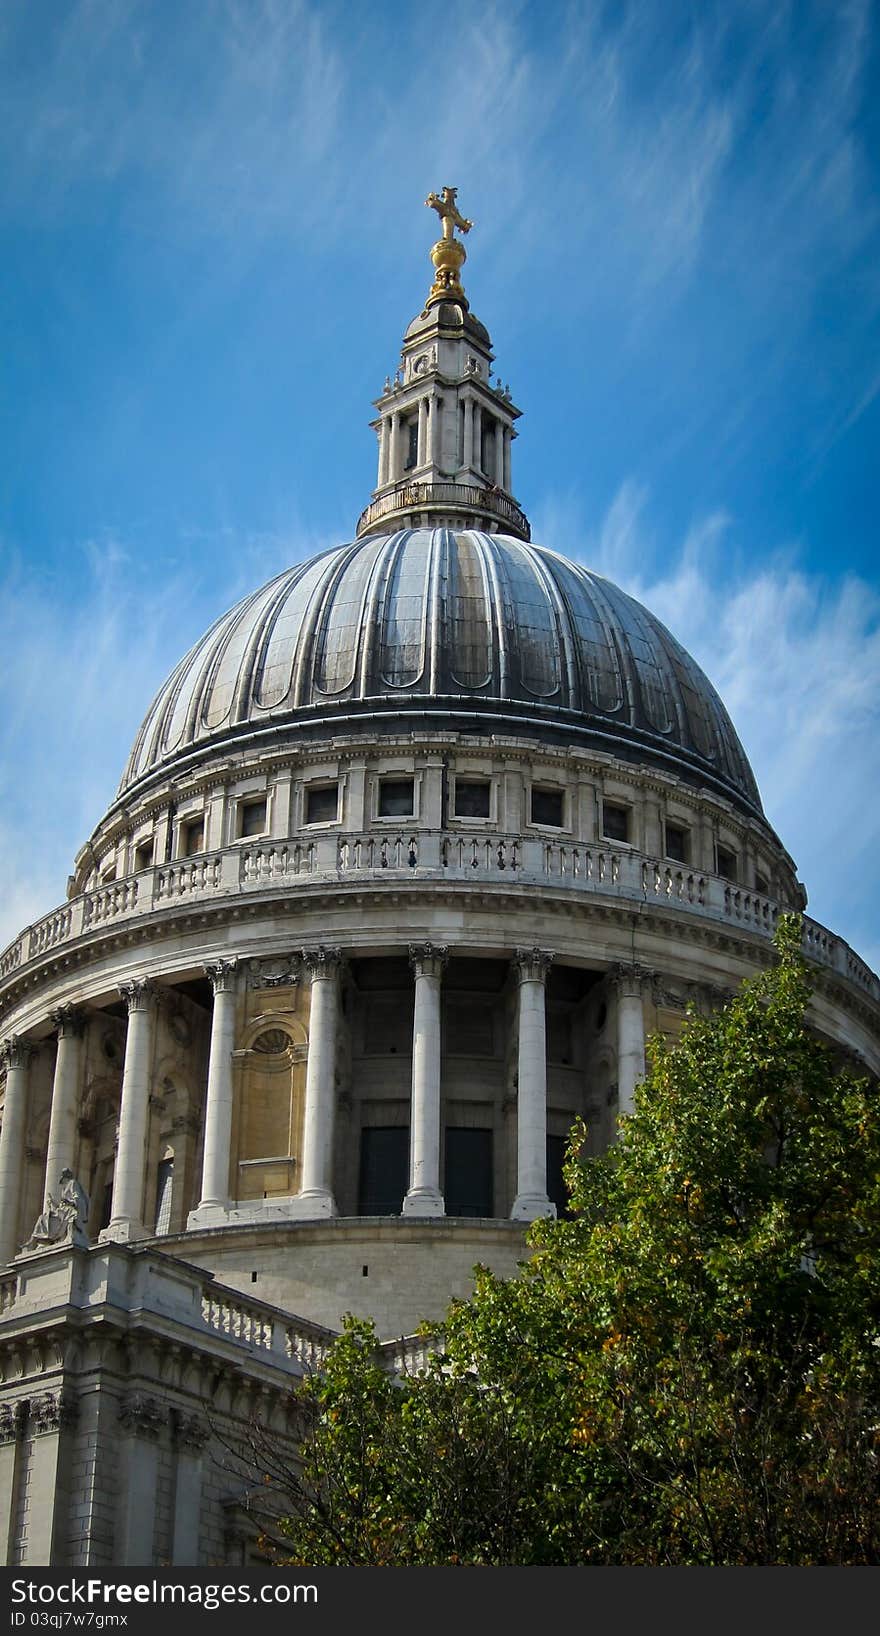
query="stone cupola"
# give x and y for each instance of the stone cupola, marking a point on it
(445, 426)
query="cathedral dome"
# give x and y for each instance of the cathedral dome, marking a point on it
(442, 626)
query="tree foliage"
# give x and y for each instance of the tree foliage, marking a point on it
(686, 1372)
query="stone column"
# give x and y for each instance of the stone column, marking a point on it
(16, 1054)
(218, 1103)
(126, 1218)
(531, 1102)
(424, 1197)
(394, 447)
(315, 1196)
(422, 453)
(61, 1147)
(499, 454)
(477, 445)
(384, 441)
(629, 982)
(505, 482)
(467, 453)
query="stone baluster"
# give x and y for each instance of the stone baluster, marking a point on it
(126, 1217)
(424, 1197)
(15, 1054)
(315, 1197)
(61, 1147)
(531, 1102)
(218, 1103)
(630, 981)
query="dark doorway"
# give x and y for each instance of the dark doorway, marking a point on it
(468, 1172)
(384, 1169)
(557, 1192)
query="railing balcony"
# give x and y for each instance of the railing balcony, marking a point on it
(408, 499)
(423, 857)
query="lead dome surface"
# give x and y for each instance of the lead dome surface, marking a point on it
(434, 623)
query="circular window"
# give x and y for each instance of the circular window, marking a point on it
(271, 1042)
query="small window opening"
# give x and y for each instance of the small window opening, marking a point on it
(615, 822)
(254, 1277)
(762, 884)
(252, 818)
(676, 843)
(547, 807)
(472, 798)
(143, 856)
(726, 863)
(412, 451)
(192, 837)
(396, 797)
(322, 804)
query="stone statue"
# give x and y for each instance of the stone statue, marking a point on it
(447, 209)
(64, 1219)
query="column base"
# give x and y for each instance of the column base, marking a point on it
(216, 1213)
(315, 1205)
(423, 1201)
(531, 1207)
(123, 1232)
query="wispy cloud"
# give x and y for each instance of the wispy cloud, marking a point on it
(796, 660)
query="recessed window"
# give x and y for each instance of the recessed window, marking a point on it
(322, 804)
(547, 807)
(676, 843)
(143, 856)
(192, 837)
(252, 817)
(108, 874)
(726, 863)
(396, 797)
(761, 883)
(615, 822)
(412, 448)
(472, 797)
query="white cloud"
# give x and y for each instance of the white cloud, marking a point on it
(796, 660)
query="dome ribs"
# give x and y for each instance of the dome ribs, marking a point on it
(453, 624)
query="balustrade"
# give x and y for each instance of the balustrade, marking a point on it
(241, 1322)
(429, 855)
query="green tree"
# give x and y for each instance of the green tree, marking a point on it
(687, 1371)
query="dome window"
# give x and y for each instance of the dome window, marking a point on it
(322, 804)
(143, 856)
(615, 822)
(726, 863)
(548, 807)
(472, 797)
(676, 843)
(396, 797)
(192, 837)
(252, 818)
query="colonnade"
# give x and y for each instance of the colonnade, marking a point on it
(476, 419)
(321, 966)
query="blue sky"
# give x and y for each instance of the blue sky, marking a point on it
(213, 235)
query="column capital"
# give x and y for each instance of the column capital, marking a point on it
(428, 959)
(630, 978)
(533, 964)
(138, 995)
(221, 974)
(321, 962)
(16, 1052)
(69, 1021)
